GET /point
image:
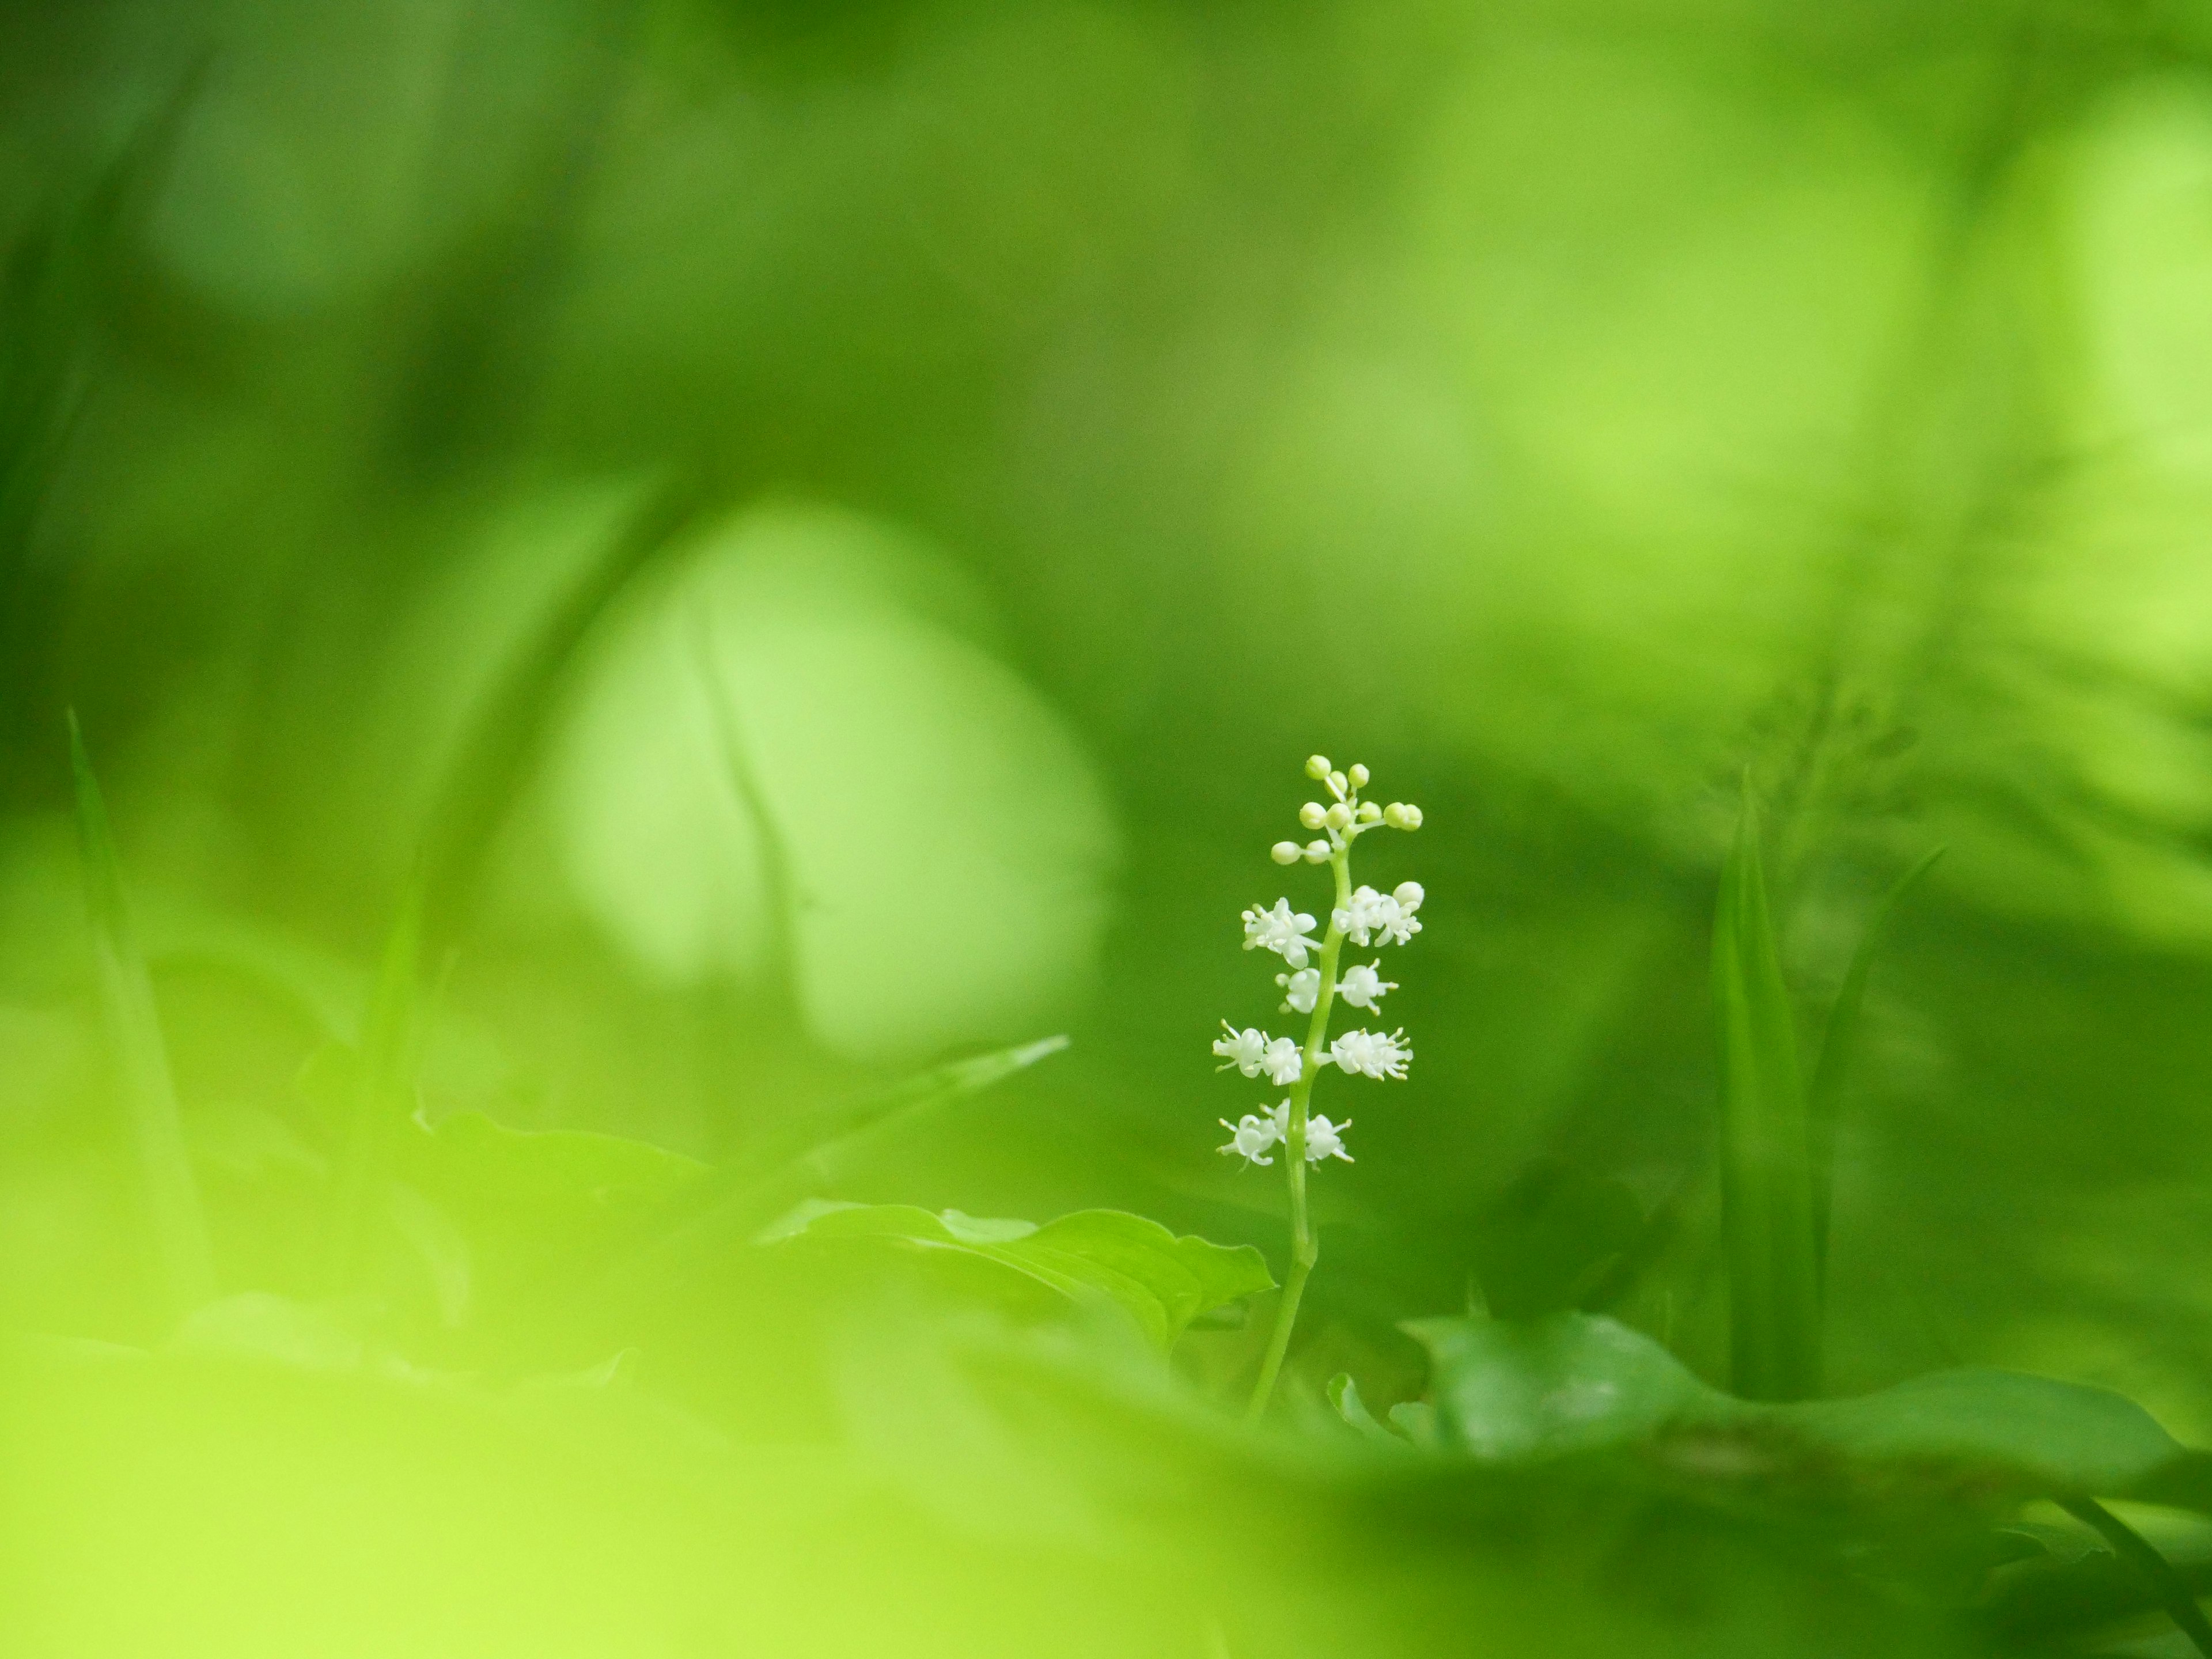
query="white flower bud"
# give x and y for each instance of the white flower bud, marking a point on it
(1313, 814)
(1398, 816)
(1359, 774)
(1370, 812)
(1317, 767)
(1316, 852)
(1409, 895)
(1338, 783)
(1286, 851)
(1338, 816)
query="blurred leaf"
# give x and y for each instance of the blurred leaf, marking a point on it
(1767, 1168)
(1838, 1041)
(383, 1100)
(1575, 1383)
(441, 1248)
(1161, 1281)
(1549, 1236)
(1515, 1393)
(179, 1225)
(1344, 1395)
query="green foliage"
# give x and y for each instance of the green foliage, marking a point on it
(1161, 1281)
(1573, 1383)
(1768, 1211)
(140, 1058)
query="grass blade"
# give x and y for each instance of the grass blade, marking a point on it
(1837, 1043)
(133, 1024)
(1766, 1196)
(383, 1098)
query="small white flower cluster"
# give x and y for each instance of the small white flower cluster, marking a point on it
(1366, 918)
(1255, 1136)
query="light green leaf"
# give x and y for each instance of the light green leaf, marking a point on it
(1160, 1280)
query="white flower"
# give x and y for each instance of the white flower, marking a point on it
(1254, 1135)
(1301, 990)
(1370, 1053)
(1280, 930)
(1400, 927)
(1250, 1138)
(1246, 1050)
(1363, 915)
(1326, 1139)
(1388, 916)
(1284, 1062)
(1362, 986)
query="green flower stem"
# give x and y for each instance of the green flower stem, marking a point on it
(1305, 1245)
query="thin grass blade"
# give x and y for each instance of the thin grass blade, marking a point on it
(1839, 1043)
(174, 1215)
(1765, 1149)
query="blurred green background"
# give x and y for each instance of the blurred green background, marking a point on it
(832, 528)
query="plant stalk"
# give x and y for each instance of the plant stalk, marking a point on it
(1305, 1243)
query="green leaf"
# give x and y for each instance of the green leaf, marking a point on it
(1766, 1166)
(1160, 1280)
(133, 1024)
(1550, 1235)
(1344, 1395)
(1573, 1383)
(769, 1178)
(1516, 1392)
(1839, 1041)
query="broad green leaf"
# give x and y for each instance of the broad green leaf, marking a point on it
(171, 1198)
(1161, 1281)
(1767, 1168)
(1575, 1383)
(1513, 1393)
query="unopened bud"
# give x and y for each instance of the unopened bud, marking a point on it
(1316, 767)
(1370, 812)
(1313, 814)
(1286, 851)
(1338, 784)
(1316, 852)
(1338, 816)
(1359, 775)
(1398, 816)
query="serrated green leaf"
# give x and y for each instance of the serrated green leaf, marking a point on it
(1160, 1280)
